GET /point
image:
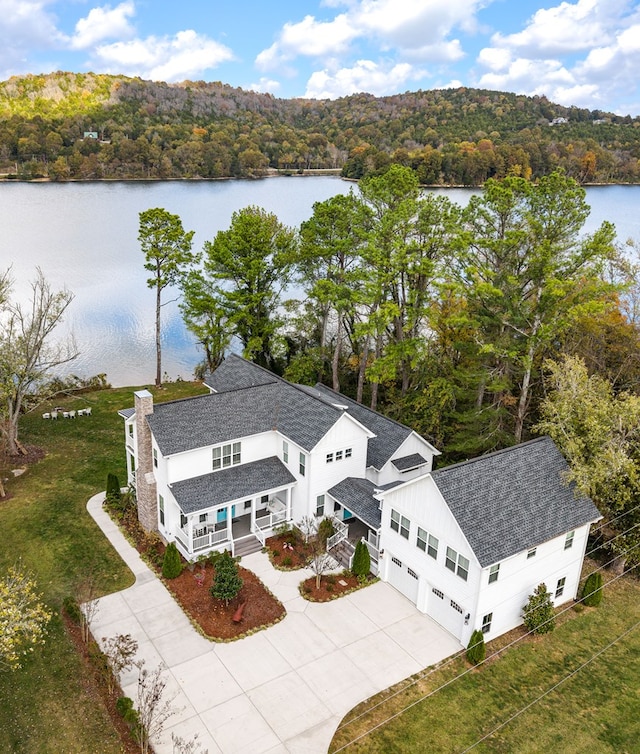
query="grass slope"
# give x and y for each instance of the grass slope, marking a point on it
(44, 706)
(594, 711)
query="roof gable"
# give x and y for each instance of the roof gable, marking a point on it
(514, 499)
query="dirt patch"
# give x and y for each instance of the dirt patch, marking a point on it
(288, 551)
(215, 619)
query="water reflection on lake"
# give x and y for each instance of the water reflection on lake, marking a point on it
(84, 236)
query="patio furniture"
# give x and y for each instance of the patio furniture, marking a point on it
(54, 414)
(72, 414)
(46, 415)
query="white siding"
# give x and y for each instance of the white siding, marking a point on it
(519, 576)
(413, 444)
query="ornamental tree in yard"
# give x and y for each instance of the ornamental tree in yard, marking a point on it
(168, 256)
(476, 649)
(227, 582)
(538, 612)
(171, 563)
(361, 561)
(592, 591)
(23, 617)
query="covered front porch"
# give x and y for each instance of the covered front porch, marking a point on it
(358, 519)
(258, 499)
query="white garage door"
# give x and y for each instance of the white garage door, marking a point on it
(403, 579)
(445, 611)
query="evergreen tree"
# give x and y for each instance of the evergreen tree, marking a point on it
(113, 493)
(538, 612)
(171, 564)
(361, 561)
(227, 582)
(592, 591)
(476, 649)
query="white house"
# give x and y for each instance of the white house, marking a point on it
(467, 543)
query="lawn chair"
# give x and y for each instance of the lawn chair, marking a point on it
(72, 414)
(46, 415)
(54, 414)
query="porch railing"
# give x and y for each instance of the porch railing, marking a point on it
(209, 540)
(270, 520)
(373, 551)
(342, 531)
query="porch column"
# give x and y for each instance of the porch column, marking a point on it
(190, 532)
(229, 522)
(253, 514)
(288, 503)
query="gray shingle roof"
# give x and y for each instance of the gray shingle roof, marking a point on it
(356, 495)
(236, 373)
(514, 499)
(219, 417)
(409, 462)
(126, 413)
(389, 434)
(219, 487)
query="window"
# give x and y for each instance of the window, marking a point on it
(348, 452)
(532, 552)
(130, 430)
(226, 455)
(303, 464)
(400, 524)
(155, 458)
(247, 505)
(456, 607)
(568, 542)
(457, 563)
(329, 457)
(486, 623)
(202, 518)
(493, 573)
(338, 455)
(411, 573)
(161, 506)
(428, 543)
(560, 586)
(285, 451)
(132, 463)
(183, 520)
(320, 505)
(396, 562)
(438, 593)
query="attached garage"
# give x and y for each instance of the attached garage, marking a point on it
(404, 579)
(445, 611)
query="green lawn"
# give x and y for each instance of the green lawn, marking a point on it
(596, 711)
(43, 706)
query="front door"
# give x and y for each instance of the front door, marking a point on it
(221, 515)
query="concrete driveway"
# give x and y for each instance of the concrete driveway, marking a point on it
(283, 689)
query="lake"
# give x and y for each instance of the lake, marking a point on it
(85, 236)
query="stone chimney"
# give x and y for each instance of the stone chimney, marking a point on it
(145, 480)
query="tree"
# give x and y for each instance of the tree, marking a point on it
(361, 560)
(592, 590)
(538, 616)
(113, 492)
(23, 617)
(120, 651)
(27, 355)
(526, 273)
(171, 563)
(227, 582)
(167, 250)
(153, 709)
(476, 649)
(248, 266)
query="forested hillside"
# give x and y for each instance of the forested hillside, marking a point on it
(87, 126)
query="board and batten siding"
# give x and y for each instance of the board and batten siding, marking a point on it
(519, 576)
(412, 444)
(421, 502)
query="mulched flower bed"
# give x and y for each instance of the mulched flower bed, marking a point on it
(332, 586)
(213, 617)
(288, 552)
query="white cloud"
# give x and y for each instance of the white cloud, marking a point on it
(25, 24)
(265, 85)
(184, 56)
(104, 23)
(365, 76)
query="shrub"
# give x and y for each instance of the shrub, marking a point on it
(171, 564)
(113, 493)
(72, 609)
(538, 612)
(326, 529)
(125, 708)
(226, 581)
(476, 649)
(361, 560)
(592, 591)
(287, 561)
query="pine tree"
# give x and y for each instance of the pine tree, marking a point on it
(592, 591)
(227, 582)
(476, 649)
(361, 561)
(113, 489)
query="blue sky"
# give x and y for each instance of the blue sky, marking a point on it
(582, 52)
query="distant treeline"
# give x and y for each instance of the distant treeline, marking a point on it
(86, 126)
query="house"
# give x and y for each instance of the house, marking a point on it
(467, 543)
